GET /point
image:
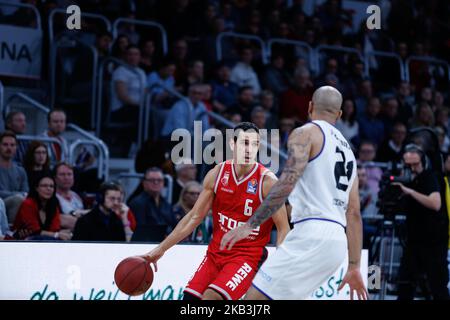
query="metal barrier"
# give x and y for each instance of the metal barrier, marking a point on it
(140, 176)
(42, 139)
(386, 55)
(296, 43)
(2, 97)
(426, 59)
(242, 36)
(324, 47)
(83, 15)
(144, 23)
(24, 97)
(100, 96)
(29, 6)
(71, 42)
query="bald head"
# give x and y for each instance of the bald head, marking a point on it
(327, 99)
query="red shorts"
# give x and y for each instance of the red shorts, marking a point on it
(230, 274)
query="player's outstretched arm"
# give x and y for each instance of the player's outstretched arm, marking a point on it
(354, 238)
(190, 221)
(299, 149)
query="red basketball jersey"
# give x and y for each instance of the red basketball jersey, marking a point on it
(235, 202)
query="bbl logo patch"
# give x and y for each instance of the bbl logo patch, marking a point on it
(252, 186)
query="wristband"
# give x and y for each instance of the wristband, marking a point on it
(56, 235)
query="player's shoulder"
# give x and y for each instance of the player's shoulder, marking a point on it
(213, 174)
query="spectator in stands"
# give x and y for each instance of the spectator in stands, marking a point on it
(185, 171)
(355, 83)
(185, 203)
(424, 116)
(347, 124)
(275, 77)
(4, 225)
(56, 126)
(16, 122)
(179, 55)
(149, 207)
(331, 68)
(147, 56)
(444, 141)
(40, 212)
(442, 119)
(364, 94)
(13, 178)
(370, 126)
(195, 75)
(224, 90)
(36, 161)
(102, 43)
(267, 101)
(129, 29)
(164, 76)
(286, 127)
(391, 150)
(70, 202)
(245, 103)
(438, 100)
(108, 220)
(389, 113)
(119, 48)
(243, 74)
(182, 114)
(366, 156)
(368, 202)
(294, 102)
(426, 95)
(128, 88)
(405, 102)
(258, 117)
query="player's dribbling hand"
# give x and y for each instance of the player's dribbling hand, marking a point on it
(153, 256)
(234, 235)
(354, 280)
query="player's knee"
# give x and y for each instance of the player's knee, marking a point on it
(189, 297)
(211, 295)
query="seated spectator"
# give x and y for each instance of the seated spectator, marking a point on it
(405, 102)
(362, 97)
(182, 114)
(275, 78)
(56, 127)
(195, 75)
(258, 117)
(347, 124)
(391, 150)
(164, 76)
(128, 88)
(36, 161)
(108, 220)
(185, 203)
(267, 101)
(149, 207)
(147, 56)
(186, 172)
(179, 55)
(40, 214)
(16, 122)
(70, 202)
(444, 141)
(4, 225)
(102, 43)
(424, 116)
(129, 29)
(389, 113)
(366, 156)
(119, 48)
(243, 74)
(294, 102)
(224, 91)
(245, 103)
(370, 126)
(13, 178)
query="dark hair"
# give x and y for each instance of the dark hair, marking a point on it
(132, 46)
(352, 118)
(166, 61)
(243, 88)
(105, 187)
(51, 205)
(49, 115)
(104, 33)
(10, 116)
(244, 126)
(7, 133)
(153, 169)
(115, 50)
(28, 159)
(61, 164)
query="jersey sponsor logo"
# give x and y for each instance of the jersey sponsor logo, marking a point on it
(239, 276)
(227, 190)
(227, 224)
(225, 178)
(252, 186)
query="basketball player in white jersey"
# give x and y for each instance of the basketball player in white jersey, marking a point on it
(321, 182)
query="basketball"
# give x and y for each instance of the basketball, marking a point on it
(133, 276)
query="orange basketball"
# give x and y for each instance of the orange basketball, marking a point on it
(133, 276)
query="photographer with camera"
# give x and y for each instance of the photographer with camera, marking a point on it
(425, 253)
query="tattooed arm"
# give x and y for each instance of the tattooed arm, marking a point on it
(303, 142)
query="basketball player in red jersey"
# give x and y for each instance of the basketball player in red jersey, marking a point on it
(234, 189)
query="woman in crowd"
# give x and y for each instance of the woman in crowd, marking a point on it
(36, 161)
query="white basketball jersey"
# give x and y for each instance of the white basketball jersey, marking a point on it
(322, 192)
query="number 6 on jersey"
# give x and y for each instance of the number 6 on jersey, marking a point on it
(248, 211)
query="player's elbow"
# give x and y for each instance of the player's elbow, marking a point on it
(354, 215)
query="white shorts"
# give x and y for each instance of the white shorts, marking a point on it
(309, 255)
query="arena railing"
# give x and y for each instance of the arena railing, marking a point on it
(25, 137)
(147, 23)
(222, 35)
(71, 42)
(169, 187)
(2, 96)
(385, 55)
(430, 60)
(323, 47)
(104, 154)
(99, 108)
(295, 43)
(28, 6)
